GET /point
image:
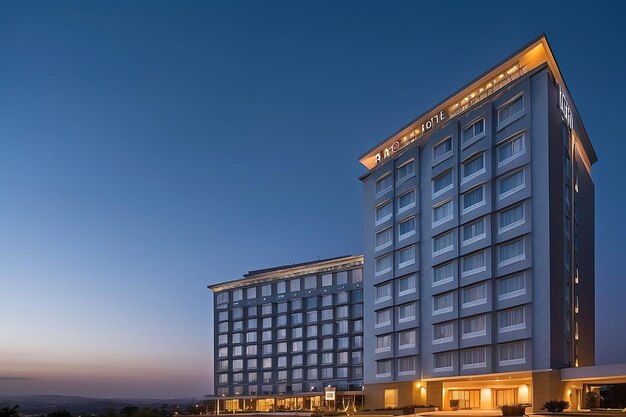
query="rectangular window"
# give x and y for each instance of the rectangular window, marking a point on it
(473, 264)
(474, 232)
(473, 167)
(511, 217)
(251, 293)
(294, 284)
(407, 228)
(383, 292)
(237, 295)
(383, 265)
(443, 243)
(406, 339)
(511, 353)
(384, 184)
(511, 319)
(406, 201)
(327, 314)
(383, 212)
(442, 148)
(511, 109)
(406, 312)
(383, 343)
(266, 290)
(474, 295)
(406, 285)
(474, 199)
(383, 318)
(383, 368)
(443, 273)
(311, 374)
(406, 169)
(474, 326)
(442, 362)
(511, 149)
(327, 280)
(443, 333)
(443, 303)
(511, 252)
(511, 286)
(281, 287)
(473, 130)
(384, 238)
(442, 213)
(406, 257)
(442, 183)
(406, 366)
(510, 184)
(474, 358)
(310, 282)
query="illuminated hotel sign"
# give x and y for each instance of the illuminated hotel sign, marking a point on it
(329, 393)
(566, 111)
(407, 139)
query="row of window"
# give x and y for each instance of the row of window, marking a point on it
(405, 312)
(340, 326)
(406, 339)
(311, 316)
(295, 284)
(406, 366)
(513, 353)
(310, 374)
(312, 359)
(296, 387)
(254, 349)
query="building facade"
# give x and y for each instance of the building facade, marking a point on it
(479, 245)
(284, 335)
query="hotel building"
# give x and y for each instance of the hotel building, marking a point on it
(286, 335)
(478, 272)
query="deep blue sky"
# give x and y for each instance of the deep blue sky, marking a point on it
(148, 149)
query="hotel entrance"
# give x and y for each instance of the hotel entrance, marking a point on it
(468, 398)
(505, 397)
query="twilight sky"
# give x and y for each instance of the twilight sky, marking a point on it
(148, 149)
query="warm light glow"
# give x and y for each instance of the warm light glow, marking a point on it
(522, 393)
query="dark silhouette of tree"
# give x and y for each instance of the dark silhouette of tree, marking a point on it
(8, 412)
(129, 410)
(60, 413)
(614, 396)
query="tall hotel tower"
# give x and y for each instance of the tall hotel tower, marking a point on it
(479, 245)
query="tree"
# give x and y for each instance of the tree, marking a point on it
(8, 412)
(129, 410)
(60, 413)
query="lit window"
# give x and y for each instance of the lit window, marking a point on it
(383, 265)
(406, 201)
(383, 343)
(474, 326)
(511, 353)
(511, 252)
(405, 170)
(443, 303)
(383, 292)
(511, 149)
(407, 228)
(511, 286)
(442, 362)
(474, 295)
(442, 148)
(473, 199)
(443, 243)
(510, 184)
(443, 333)
(474, 232)
(510, 109)
(443, 273)
(442, 213)
(442, 183)
(511, 218)
(473, 264)
(384, 184)
(474, 130)
(474, 358)
(384, 238)
(383, 318)
(406, 285)
(383, 212)
(511, 319)
(406, 257)
(473, 167)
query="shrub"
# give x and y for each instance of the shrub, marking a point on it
(555, 406)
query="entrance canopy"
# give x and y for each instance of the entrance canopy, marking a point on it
(598, 375)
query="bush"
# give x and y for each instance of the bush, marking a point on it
(555, 406)
(513, 410)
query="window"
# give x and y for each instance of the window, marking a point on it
(473, 199)
(442, 148)
(406, 257)
(297, 346)
(342, 278)
(342, 343)
(267, 323)
(473, 130)
(511, 286)
(311, 374)
(443, 273)
(296, 332)
(281, 287)
(327, 329)
(266, 290)
(383, 318)
(474, 358)
(442, 303)
(473, 264)
(327, 280)
(383, 368)
(443, 243)
(311, 344)
(384, 238)
(383, 292)
(383, 265)
(510, 184)
(442, 213)
(406, 169)
(237, 364)
(223, 379)
(511, 353)
(511, 218)
(511, 319)
(383, 343)
(384, 184)
(442, 183)
(221, 298)
(237, 295)
(342, 358)
(296, 373)
(250, 337)
(511, 252)
(406, 201)
(473, 167)
(327, 314)
(442, 362)
(311, 316)
(383, 212)
(267, 349)
(443, 333)
(406, 366)
(406, 312)
(310, 282)
(223, 339)
(294, 284)
(406, 339)
(252, 363)
(474, 232)
(511, 109)
(341, 312)
(357, 276)
(407, 228)
(406, 285)
(281, 320)
(296, 360)
(474, 295)
(474, 326)
(251, 293)
(511, 149)
(327, 373)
